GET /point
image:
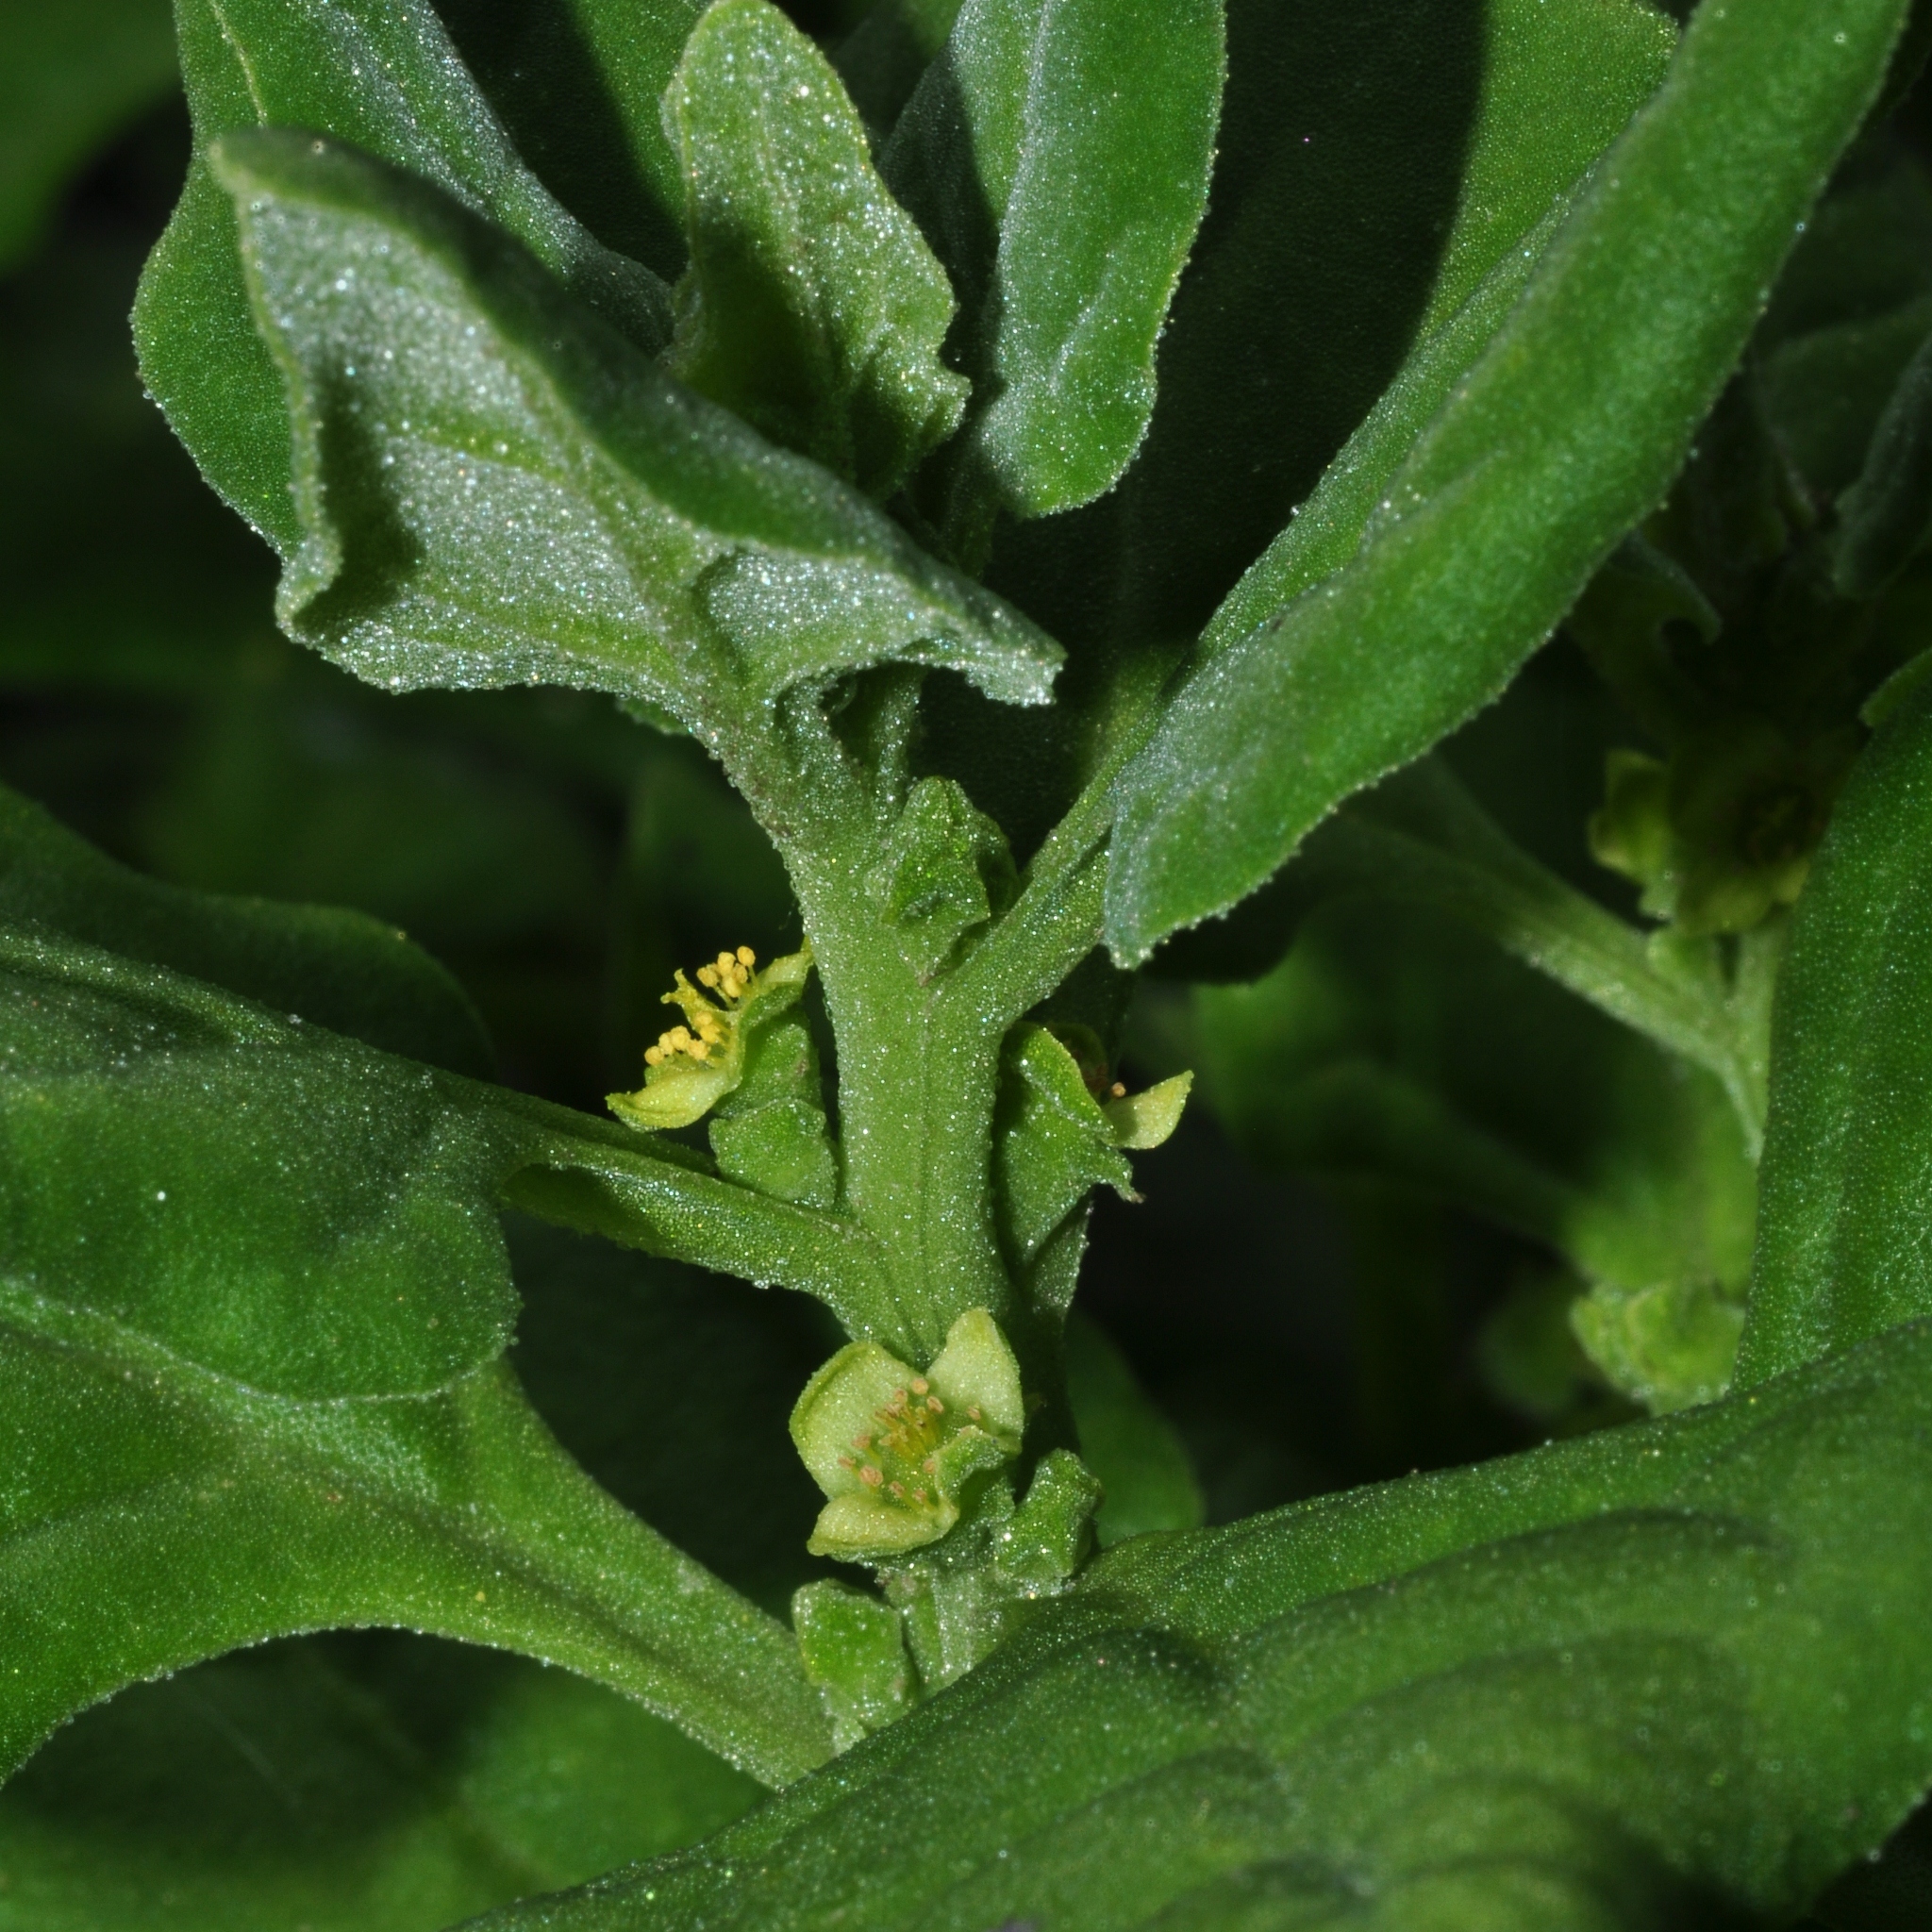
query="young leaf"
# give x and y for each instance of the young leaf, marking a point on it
(812, 307)
(1296, 1719)
(772, 1133)
(493, 488)
(1566, 431)
(385, 78)
(1842, 1251)
(1058, 156)
(945, 871)
(1052, 1143)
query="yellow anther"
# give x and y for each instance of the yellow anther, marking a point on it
(653, 1055)
(700, 1049)
(707, 976)
(725, 962)
(746, 958)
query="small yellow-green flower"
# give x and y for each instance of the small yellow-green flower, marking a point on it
(692, 1067)
(894, 1450)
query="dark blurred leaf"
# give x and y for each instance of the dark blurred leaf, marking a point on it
(580, 86)
(72, 75)
(1886, 516)
(336, 969)
(1148, 1482)
(346, 1790)
(882, 58)
(1389, 1042)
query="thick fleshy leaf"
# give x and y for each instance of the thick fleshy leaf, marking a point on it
(73, 73)
(1671, 1670)
(386, 77)
(1058, 156)
(391, 1785)
(129, 1469)
(494, 488)
(812, 307)
(1566, 430)
(1843, 1251)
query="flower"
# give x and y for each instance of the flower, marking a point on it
(894, 1451)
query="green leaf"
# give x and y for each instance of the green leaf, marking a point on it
(494, 489)
(386, 77)
(812, 307)
(1564, 433)
(1058, 157)
(74, 74)
(1129, 1446)
(1842, 1249)
(1667, 1672)
(336, 969)
(129, 1469)
(356, 1787)
(1052, 1143)
(296, 1212)
(1378, 162)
